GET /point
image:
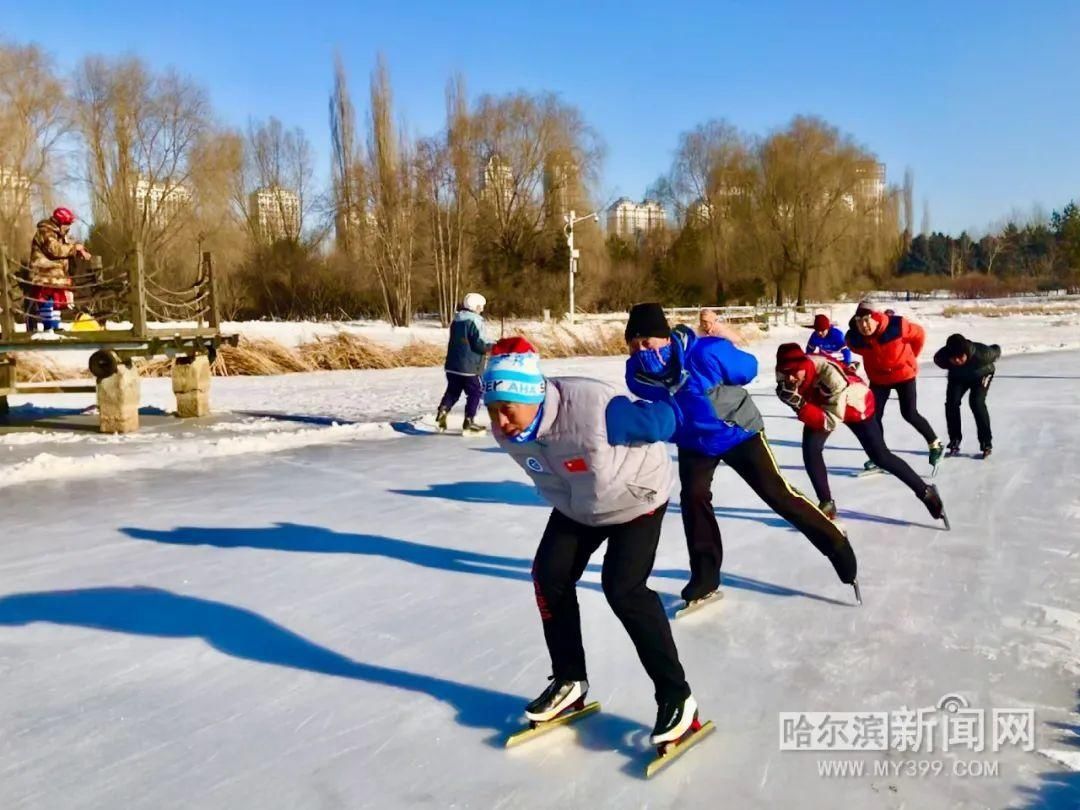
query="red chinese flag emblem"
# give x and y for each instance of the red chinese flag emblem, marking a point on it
(576, 465)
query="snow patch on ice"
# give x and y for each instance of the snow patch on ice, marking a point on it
(1070, 759)
(51, 467)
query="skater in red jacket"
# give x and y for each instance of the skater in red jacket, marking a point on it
(824, 396)
(890, 346)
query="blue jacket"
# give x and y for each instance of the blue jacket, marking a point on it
(703, 386)
(467, 347)
(832, 345)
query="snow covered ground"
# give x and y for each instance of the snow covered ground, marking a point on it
(190, 620)
(263, 414)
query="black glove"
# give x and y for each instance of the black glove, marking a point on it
(789, 396)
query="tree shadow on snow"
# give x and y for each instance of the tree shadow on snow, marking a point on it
(1058, 789)
(247, 635)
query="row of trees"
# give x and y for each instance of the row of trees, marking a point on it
(1044, 250)
(409, 223)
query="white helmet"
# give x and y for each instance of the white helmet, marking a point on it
(475, 302)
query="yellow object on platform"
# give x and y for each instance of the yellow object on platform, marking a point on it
(84, 323)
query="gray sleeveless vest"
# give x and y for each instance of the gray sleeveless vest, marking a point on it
(577, 471)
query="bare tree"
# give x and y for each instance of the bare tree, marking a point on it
(909, 206)
(347, 166)
(514, 139)
(34, 118)
(445, 169)
(811, 183)
(140, 131)
(709, 189)
(391, 201)
(276, 191)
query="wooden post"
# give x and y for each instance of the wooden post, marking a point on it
(214, 317)
(137, 294)
(7, 319)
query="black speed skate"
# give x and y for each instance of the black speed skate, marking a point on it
(673, 720)
(557, 698)
(829, 508)
(934, 505)
(677, 730)
(954, 450)
(470, 428)
(987, 450)
(561, 704)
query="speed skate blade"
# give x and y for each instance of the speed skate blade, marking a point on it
(536, 729)
(673, 751)
(697, 604)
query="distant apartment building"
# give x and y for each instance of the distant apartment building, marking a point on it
(275, 213)
(15, 190)
(630, 220)
(497, 182)
(561, 191)
(161, 201)
(869, 192)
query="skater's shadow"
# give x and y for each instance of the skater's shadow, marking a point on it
(247, 635)
(856, 449)
(1059, 788)
(768, 517)
(851, 514)
(317, 540)
(842, 472)
(741, 583)
(512, 493)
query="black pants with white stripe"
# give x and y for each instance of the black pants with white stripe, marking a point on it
(755, 464)
(560, 561)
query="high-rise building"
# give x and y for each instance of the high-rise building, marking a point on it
(275, 213)
(497, 182)
(560, 188)
(15, 189)
(629, 220)
(161, 201)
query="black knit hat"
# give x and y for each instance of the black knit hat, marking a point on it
(866, 307)
(647, 320)
(956, 345)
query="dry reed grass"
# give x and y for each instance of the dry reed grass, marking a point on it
(952, 311)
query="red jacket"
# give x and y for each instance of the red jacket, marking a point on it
(890, 355)
(832, 396)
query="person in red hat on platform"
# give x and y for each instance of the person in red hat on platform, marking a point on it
(890, 346)
(51, 253)
(825, 395)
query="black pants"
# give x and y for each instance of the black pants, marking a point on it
(754, 462)
(977, 399)
(455, 385)
(872, 439)
(560, 561)
(908, 395)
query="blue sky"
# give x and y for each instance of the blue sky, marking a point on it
(978, 98)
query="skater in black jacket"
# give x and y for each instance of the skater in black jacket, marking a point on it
(971, 369)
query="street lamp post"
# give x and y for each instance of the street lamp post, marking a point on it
(571, 220)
